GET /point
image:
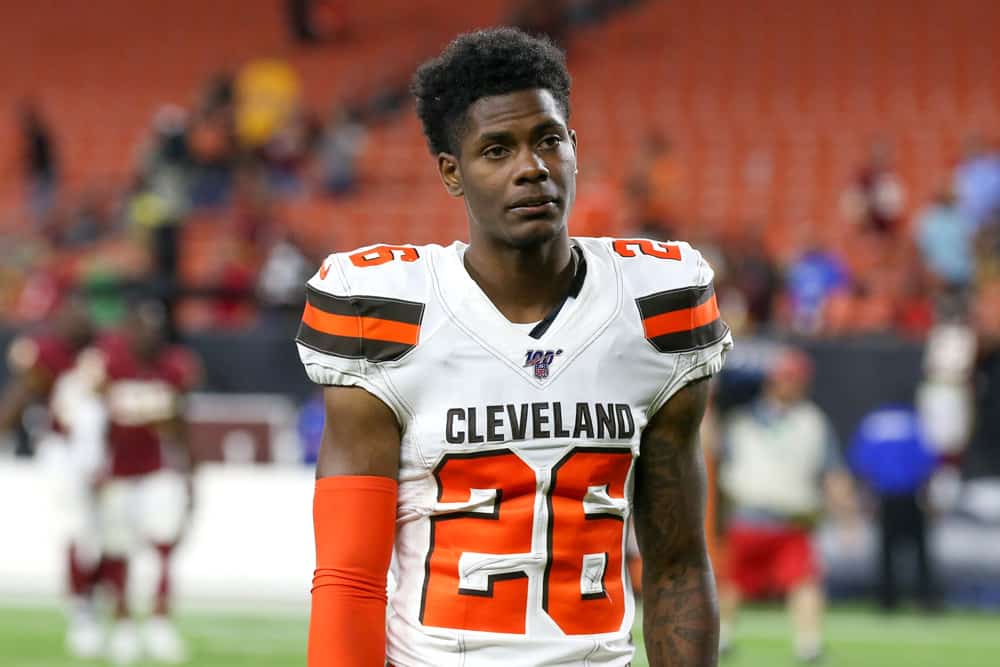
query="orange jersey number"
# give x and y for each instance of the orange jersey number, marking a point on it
(476, 574)
(381, 254)
(584, 591)
(652, 248)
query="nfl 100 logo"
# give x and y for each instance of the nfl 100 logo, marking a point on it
(541, 360)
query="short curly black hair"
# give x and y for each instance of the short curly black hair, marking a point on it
(479, 64)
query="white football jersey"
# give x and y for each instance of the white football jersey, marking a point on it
(519, 442)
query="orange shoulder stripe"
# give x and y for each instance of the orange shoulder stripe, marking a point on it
(685, 319)
(352, 326)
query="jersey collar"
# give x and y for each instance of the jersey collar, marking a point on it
(591, 304)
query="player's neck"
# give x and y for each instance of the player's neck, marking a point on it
(523, 283)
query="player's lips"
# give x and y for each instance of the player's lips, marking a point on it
(535, 205)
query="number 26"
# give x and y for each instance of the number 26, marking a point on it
(476, 572)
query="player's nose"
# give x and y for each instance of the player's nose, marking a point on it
(531, 168)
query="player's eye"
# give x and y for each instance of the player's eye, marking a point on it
(551, 141)
(495, 152)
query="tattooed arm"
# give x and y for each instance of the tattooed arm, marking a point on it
(680, 611)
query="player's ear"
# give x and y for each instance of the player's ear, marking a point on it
(451, 174)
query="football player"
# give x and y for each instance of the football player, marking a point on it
(70, 442)
(144, 500)
(498, 410)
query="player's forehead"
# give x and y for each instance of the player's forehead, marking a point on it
(519, 111)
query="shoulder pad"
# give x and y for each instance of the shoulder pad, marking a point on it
(671, 284)
(367, 304)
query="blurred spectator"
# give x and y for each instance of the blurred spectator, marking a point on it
(41, 167)
(217, 94)
(390, 96)
(86, 222)
(877, 198)
(313, 21)
(279, 284)
(341, 143)
(891, 454)
(945, 235)
(287, 153)
(211, 146)
(268, 94)
(752, 273)
(977, 181)
(779, 457)
(251, 215)
(811, 280)
(166, 161)
(908, 289)
(944, 398)
(654, 187)
(153, 220)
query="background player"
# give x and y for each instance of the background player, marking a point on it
(37, 360)
(144, 500)
(495, 109)
(70, 442)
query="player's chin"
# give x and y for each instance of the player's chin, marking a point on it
(534, 232)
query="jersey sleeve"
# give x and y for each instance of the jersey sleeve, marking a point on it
(672, 286)
(351, 325)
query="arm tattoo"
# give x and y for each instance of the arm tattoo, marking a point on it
(680, 610)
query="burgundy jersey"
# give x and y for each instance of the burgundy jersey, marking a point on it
(46, 356)
(141, 395)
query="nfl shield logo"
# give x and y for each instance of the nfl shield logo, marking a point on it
(541, 360)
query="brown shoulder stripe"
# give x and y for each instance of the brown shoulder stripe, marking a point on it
(360, 327)
(682, 320)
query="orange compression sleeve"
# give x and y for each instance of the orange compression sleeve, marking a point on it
(354, 518)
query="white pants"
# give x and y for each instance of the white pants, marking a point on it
(75, 498)
(143, 510)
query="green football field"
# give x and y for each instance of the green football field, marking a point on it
(32, 637)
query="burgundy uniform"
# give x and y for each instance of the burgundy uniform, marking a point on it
(141, 394)
(46, 357)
